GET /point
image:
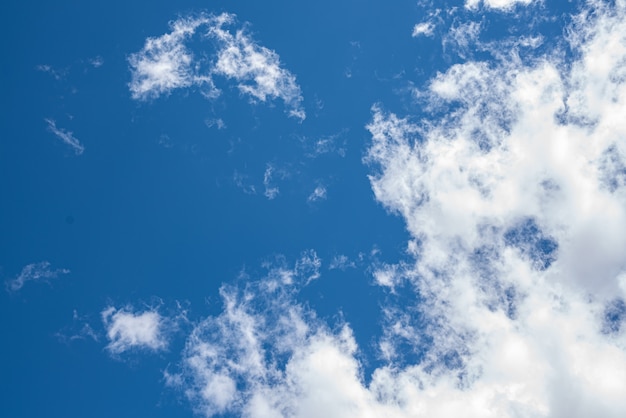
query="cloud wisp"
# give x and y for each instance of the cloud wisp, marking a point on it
(500, 5)
(36, 272)
(66, 137)
(166, 63)
(319, 193)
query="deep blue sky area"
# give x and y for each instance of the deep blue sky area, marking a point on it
(163, 200)
(151, 208)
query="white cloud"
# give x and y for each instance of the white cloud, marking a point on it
(265, 355)
(165, 64)
(515, 199)
(501, 5)
(423, 29)
(257, 69)
(32, 273)
(65, 136)
(127, 330)
(515, 212)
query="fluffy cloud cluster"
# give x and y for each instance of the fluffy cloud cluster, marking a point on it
(166, 63)
(516, 201)
(514, 192)
(127, 330)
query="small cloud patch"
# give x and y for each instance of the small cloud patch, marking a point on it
(127, 330)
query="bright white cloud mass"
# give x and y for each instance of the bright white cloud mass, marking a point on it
(127, 330)
(165, 64)
(514, 193)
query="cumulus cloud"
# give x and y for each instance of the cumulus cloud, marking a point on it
(266, 355)
(515, 225)
(34, 273)
(65, 136)
(166, 63)
(513, 192)
(127, 330)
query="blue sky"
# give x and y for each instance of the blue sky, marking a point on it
(341, 209)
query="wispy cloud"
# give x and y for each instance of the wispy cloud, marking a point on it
(54, 72)
(271, 189)
(341, 262)
(318, 194)
(80, 329)
(127, 329)
(308, 266)
(165, 64)
(97, 61)
(257, 69)
(35, 272)
(218, 123)
(329, 144)
(65, 136)
(501, 5)
(242, 182)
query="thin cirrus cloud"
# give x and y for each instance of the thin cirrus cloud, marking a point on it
(65, 136)
(36, 272)
(515, 197)
(127, 330)
(502, 5)
(166, 63)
